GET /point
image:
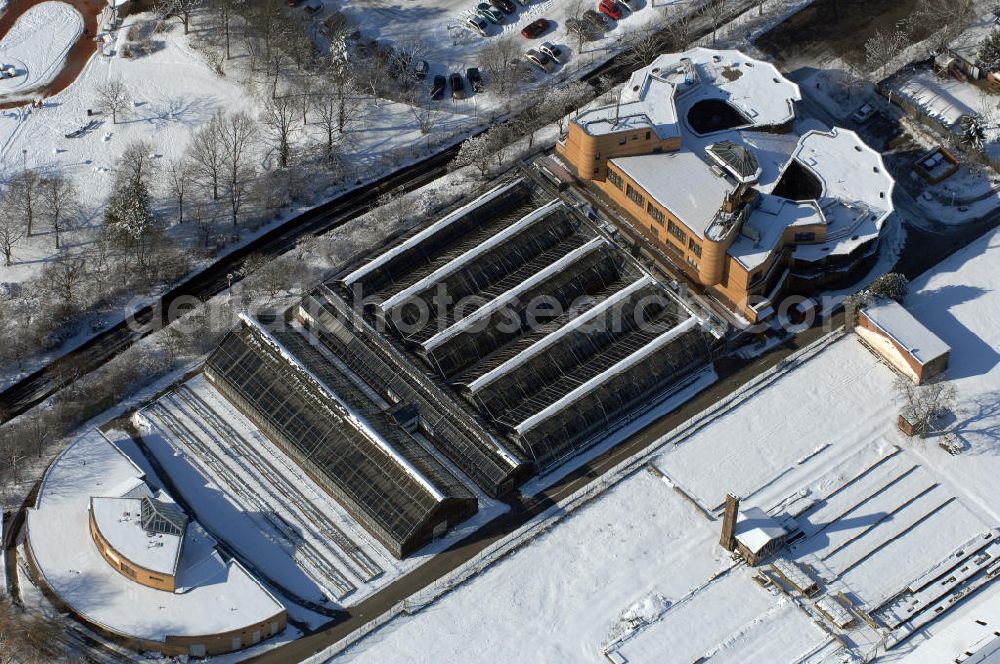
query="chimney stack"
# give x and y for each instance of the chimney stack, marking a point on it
(728, 539)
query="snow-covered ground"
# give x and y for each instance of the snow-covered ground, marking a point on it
(249, 493)
(877, 511)
(37, 45)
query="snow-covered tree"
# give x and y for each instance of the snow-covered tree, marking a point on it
(881, 48)
(891, 285)
(128, 218)
(972, 131)
(476, 152)
(989, 52)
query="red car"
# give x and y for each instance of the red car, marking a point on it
(610, 9)
(535, 29)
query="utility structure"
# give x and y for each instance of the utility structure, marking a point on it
(728, 538)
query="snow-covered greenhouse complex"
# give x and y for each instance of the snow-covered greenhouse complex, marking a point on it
(484, 347)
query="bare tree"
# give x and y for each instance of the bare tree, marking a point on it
(179, 174)
(716, 12)
(22, 196)
(281, 121)
(922, 405)
(62, 280)
(497, 59)
(943, 20)
(12, 231)
(677, 24)
(60, 204)
(29, 638)
(237, 132)
(642, 46)
(207, 155)
(881, 48)
(137, 161)
(113, 96)
(223, 12)
(180, 8)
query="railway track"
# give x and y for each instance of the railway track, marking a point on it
(367, 568)
(34, 388)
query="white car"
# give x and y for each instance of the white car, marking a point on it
(541, 60)
(551, 50)
(477, 24)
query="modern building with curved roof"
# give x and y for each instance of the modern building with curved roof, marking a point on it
(700, 153)
(128, 562)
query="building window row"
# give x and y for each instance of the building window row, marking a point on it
(635, 196)
(805, 237)
(695, 248)
(655, 213)
(615, 179)
(676, 231)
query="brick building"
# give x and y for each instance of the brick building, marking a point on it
(700, 155)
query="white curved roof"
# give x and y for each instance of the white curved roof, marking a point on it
(659, 95)
(214, 596)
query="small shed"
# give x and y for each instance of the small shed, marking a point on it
(936, 165)
(758, 535)
(904, 342)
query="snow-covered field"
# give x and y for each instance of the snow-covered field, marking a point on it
(877, 510)
(249, 493)
(36, 47)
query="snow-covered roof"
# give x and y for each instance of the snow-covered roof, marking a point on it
(857, 190)
(659, 95)
(507, 297)
(427, 232)
(755, 529)
(120, 523)
(465, 258)
(762, 231)
(214, 596)
(682, 183)
(624, 365)
(972, 635)
(900, 325)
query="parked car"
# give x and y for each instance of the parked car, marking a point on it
(477, 24)
(489, 12)
(457, 86)
(610, 9)
(541, 60)
(629, 4)
(535, 28)
(475, 79)
(437, 89)
(863, 114)
(551, 50)
(421, 69)
(506, 6)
